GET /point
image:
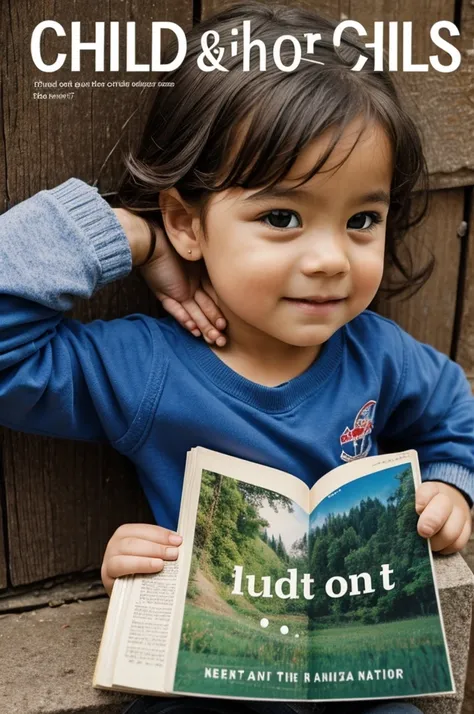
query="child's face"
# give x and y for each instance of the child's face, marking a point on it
(297, 267)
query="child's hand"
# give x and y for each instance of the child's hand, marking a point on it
(178, 284)
(181, 287)
(137, 548)
(445, 516)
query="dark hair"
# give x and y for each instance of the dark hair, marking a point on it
(214, 130)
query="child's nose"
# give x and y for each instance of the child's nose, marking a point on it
(325, 254)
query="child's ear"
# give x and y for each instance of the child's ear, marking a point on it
(181, 224)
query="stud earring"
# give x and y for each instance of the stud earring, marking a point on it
(190, 251)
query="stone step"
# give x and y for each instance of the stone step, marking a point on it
(47, 659)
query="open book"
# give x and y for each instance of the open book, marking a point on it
(284, 592)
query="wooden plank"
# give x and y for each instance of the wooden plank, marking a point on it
(465, 346)
(429, 315)
(3, 203)
(3, 545)
(54, 137)
(52, 593)
(64, 500)
(441, 103)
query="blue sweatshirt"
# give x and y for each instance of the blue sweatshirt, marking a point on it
(154, 391)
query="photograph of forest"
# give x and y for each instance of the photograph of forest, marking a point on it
(339, 603)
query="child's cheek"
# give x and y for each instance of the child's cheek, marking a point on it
(367, 273)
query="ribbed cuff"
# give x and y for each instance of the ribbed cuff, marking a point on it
(453, 474)
(94, 217)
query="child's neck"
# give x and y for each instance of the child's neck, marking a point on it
(263, 359)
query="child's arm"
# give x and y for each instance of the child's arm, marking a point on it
(433, 412)
(137, 548)
(58, 376)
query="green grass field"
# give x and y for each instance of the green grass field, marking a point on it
(239, 643)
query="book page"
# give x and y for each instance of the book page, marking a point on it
(147, 621)
(277, 609)
(103, 673)
(135, 647)
(257, 474)
(333, 480)
(245, 624)
(376, 627)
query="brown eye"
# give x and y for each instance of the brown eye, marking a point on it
(363, 221)
(279, 218)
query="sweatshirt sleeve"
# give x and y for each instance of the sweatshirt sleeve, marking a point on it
(58, 376)
(433, 412)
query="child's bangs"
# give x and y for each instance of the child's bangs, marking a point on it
(268, 140)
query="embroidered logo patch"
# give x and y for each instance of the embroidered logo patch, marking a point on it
(357, 441)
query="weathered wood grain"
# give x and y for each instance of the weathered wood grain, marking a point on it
(441, 103)
(3, 183)
(3, 559)
(465, 346)
(429, 315)
(64, 500)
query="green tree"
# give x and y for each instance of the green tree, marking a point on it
(359, 541)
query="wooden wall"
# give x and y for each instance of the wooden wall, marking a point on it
(60, 501)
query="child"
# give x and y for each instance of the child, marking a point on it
(281, 184)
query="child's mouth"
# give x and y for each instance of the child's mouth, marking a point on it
(316, 305)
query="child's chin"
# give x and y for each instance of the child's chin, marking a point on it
(307, 340)
(303, 336)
